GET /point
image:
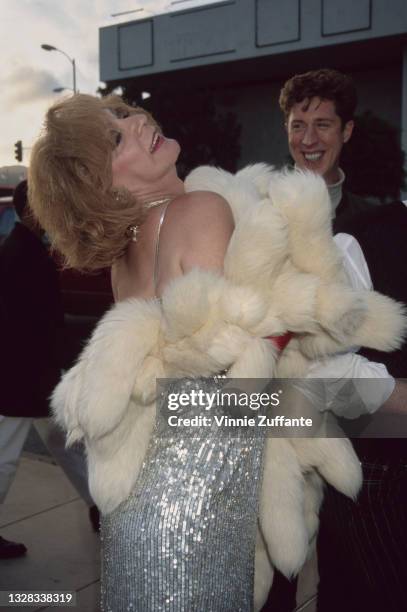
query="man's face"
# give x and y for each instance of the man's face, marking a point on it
(316, 137)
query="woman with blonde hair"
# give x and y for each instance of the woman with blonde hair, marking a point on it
(194, 297)
(102, 183)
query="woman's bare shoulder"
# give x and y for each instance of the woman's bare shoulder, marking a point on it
(203, 223)
(198, 206)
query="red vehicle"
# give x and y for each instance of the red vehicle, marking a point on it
(88, 295)
(85, 297)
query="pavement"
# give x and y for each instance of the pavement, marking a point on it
(44, 511)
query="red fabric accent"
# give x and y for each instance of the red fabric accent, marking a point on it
(280, 342)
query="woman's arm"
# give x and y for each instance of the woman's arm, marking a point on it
(204, 231)
(195, 234)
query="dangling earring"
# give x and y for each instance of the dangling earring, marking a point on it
(118, 195)
(132, 232)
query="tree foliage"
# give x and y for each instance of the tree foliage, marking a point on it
(205, 126)
(373, 160)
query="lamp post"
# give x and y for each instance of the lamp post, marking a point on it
(72, 60)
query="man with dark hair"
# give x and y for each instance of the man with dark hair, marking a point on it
(325, 84)
(31, 324)
(319, 108)
(362, 546)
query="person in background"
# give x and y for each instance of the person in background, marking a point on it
(31, 330)
(361, 547)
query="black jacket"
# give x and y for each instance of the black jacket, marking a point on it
(31, 317)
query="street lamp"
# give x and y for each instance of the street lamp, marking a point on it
(51, 48)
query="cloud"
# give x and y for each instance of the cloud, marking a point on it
(29, 74)
(27, 85)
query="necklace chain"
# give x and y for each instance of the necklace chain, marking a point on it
(155, 203)
(133, 230)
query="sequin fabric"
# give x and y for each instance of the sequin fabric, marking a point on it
(184, 540)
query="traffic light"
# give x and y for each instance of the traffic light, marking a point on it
(18, 151)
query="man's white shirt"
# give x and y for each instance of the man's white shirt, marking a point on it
(360, 397)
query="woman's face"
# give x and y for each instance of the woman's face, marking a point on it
(142, 156)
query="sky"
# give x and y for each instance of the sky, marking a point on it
(29, 74)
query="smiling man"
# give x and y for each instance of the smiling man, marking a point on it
(318, 107)
(316, 134)
(361, 547)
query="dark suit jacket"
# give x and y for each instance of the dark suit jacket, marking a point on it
(350, 207)
(31, 316)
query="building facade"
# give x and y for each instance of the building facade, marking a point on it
(248, 48)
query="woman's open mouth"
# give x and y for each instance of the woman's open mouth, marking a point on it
(156, 142)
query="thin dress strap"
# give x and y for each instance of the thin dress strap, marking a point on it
(157, 246)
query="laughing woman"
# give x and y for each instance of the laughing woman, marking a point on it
(103, 183)
(195, 297)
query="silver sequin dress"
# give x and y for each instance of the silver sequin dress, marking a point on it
(184, 540)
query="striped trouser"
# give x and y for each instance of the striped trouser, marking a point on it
(13, 433)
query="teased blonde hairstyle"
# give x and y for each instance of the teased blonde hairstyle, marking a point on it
(70, 182)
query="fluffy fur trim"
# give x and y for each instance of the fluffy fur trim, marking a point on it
(114, 461)
(281, 273)
(242, 190)
(92, 399)
(377, 322)
(263, 572)
(283, 488)
(303, 200)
